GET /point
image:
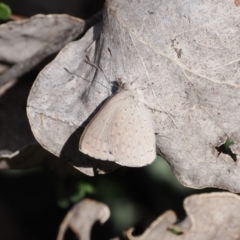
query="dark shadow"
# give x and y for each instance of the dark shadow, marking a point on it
(15, 130)
(225, 148)
(72, 154)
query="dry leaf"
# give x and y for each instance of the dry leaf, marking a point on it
(186, 59)
(82, 217)
(25, 43)
(213, 216)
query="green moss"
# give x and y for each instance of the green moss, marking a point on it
(5, 12)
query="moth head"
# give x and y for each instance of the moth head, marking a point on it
(126, 85)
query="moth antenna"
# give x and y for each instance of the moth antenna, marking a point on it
(97, 67)
(82, 77)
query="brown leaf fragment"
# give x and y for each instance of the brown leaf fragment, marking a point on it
(82, 217)
(158, 228)
(237, 3)
(213, 216)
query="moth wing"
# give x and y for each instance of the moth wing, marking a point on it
(95, 138)
(132, 136)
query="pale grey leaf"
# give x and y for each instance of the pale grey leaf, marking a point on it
(185, 58)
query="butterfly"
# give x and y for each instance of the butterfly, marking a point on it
(122, 131)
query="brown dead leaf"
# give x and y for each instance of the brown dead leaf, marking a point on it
(82, 217)
(213, 216)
